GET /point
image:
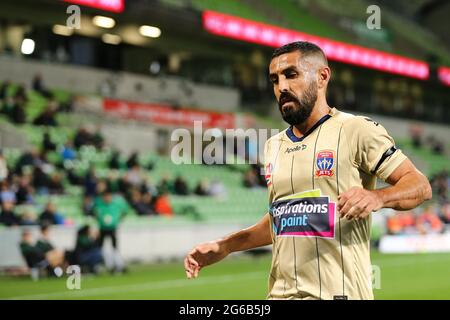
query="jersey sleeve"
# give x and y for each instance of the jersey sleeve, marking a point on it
(373, 148)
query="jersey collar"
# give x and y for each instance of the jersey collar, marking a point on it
(294, 138)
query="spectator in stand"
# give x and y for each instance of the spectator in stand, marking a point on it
(3, 167)
(24, 193)
(133, 160)
(180, 186)
(47, 117)
(50, 215)
(445, 213)
(6, 193)
(4, 89)
(55, 185)
(202, 188)
(407, 220)
(142, 203)
(250, 179)
(429, 222)
(394, 225)
(44, 244)
(98, 140)
(38, 86)
(416, 134)
(88, 251)
(82, 138)
(165, 186)
(30, 158)
(68, 152)
(162, 205)
(41, 181)
(17, 113)
(21, 93)
(135, 176)
(47, 143)
(8, 217)
(217, 189)
(28, 217)
(114, 161)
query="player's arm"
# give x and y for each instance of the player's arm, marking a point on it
(409, 188)
(211, 252)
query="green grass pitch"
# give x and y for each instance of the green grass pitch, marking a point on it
(415, 276)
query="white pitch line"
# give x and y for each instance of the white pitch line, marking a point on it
(154, 285)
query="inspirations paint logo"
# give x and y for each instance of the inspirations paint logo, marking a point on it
(305, 214)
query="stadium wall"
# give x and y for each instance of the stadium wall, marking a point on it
(137, 243)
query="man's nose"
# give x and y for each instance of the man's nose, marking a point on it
(283, 86)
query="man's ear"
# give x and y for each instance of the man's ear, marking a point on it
(324, 76)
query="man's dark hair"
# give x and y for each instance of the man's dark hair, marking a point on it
(305, 47)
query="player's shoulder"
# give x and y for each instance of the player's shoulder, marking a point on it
(352, 121)
(280, 136)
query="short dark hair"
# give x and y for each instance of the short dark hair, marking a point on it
(305, 47)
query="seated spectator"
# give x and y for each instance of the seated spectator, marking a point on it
(445, 213)
(38, 86)
(202, 188)
(87, 249)
(133, 160)
(394, 225)
(55, 185)
(50, 215)
(6, 193)
(90, 183)
(82, 138)
(21, 93)
(135, 176)
(162, 205)
(165, 186)
(24, 193)
(407, 220)
(180, 186)
(98, 140)
(429, 222)
(4, 89)
(41, 180)
(17, 113)
(142, 203)
(8, 217)
(250, 179)
(28, 217)
(47, 144)
(3, 167)
(47, 117)
(68, 152)
(37, 259)
(217, 189)
(44, 243)
(114, 161)
(29, 158)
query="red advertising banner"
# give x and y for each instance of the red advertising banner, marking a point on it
(444, 75)
(109, 5)
(264, 34)
(166, 115)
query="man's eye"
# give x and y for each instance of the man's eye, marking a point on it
(291, 75)
(274, 81)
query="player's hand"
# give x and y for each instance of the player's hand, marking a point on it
(358, 203)
(201, 256)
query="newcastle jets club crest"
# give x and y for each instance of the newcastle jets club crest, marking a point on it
(324, 163)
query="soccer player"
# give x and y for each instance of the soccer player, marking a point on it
(321, 174)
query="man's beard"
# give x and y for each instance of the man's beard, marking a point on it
(300, 112)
